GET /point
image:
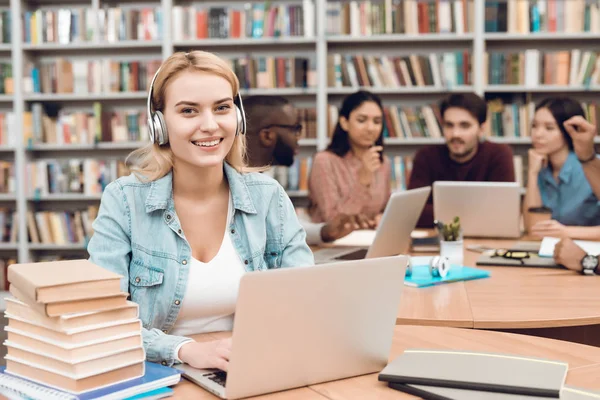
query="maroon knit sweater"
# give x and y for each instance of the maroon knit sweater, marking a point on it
(493, 163)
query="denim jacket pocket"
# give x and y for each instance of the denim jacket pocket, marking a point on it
(145, 283)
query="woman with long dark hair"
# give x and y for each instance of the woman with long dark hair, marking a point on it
(556, 179)
(352, 176)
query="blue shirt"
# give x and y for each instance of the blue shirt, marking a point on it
(571, 198)
(137, 234)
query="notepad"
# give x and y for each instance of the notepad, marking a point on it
(491, 372)
(548, 244)
(422, 278)
(444, 393)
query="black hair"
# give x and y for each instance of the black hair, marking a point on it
(471, 102)
(259, 111)
(340, 143)
(562, 109)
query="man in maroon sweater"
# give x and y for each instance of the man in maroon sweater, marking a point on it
(465, 156)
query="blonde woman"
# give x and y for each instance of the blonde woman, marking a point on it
(191, 219)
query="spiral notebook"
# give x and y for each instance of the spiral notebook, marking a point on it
(156, 376)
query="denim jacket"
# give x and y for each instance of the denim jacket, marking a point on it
(137, 234)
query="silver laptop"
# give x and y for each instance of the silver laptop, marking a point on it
(300, 326)
(393, 233)
(486, 209)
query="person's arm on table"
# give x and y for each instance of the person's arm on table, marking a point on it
(573, 257)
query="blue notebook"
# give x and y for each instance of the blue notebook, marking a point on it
(421, 277)
(156, 376)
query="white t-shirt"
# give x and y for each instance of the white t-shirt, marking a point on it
(212, 290)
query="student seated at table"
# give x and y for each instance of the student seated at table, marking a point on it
(185, 227)
(556, 178)
(352, 176)
(465, 156)
(272, 136)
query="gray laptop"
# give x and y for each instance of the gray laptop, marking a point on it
(393, 233)
(486, 209)
(300, 326)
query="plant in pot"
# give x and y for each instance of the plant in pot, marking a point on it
(451, 241)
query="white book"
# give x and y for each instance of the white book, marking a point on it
(532, 70)
(459, 20)
(309, 18)
(574, 68)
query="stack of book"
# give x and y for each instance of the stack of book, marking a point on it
(71, 328)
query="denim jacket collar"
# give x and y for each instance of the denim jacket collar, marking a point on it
(161, 192)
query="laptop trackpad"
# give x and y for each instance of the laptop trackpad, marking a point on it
(355, 255)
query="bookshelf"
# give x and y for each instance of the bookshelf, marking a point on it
(313, 35)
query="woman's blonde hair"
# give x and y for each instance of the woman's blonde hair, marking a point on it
(152, 161)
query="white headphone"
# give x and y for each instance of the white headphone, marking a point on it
(157, 127)
(438, 267)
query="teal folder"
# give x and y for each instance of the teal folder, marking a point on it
(421, 278)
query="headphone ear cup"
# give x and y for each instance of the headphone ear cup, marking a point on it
(160, 128)
(241, 123)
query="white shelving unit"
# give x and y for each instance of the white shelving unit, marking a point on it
(320, 44)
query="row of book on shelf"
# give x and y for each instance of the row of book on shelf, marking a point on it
(531, 16)
(264, 19)
(63, 75)
(88, 76)
(130, 125)
(88, 177)
(61, 227)
(535, 67)
(50, 227)
(243, 20)
(448, 69)
(531, 68)
(78, 25)
(366, 18)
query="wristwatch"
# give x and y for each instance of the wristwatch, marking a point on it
(589, 264)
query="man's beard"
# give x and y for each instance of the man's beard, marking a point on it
(283, 154)
(463, 154)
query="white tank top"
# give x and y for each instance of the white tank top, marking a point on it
(212, 290)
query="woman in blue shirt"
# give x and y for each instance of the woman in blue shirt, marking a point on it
(556, 178)
(191, 220)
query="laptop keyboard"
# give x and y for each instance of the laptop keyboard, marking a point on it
(355, 255)
(219, 377)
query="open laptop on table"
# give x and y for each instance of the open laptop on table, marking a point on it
(300, 326)
(393, 233)
(486, 209)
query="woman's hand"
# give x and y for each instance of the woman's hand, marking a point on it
(583, 133)
(550, 228)
(213, 354)
(537, 161)
(371, 162)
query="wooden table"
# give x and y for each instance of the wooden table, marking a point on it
(584, 362)
(555, 303)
